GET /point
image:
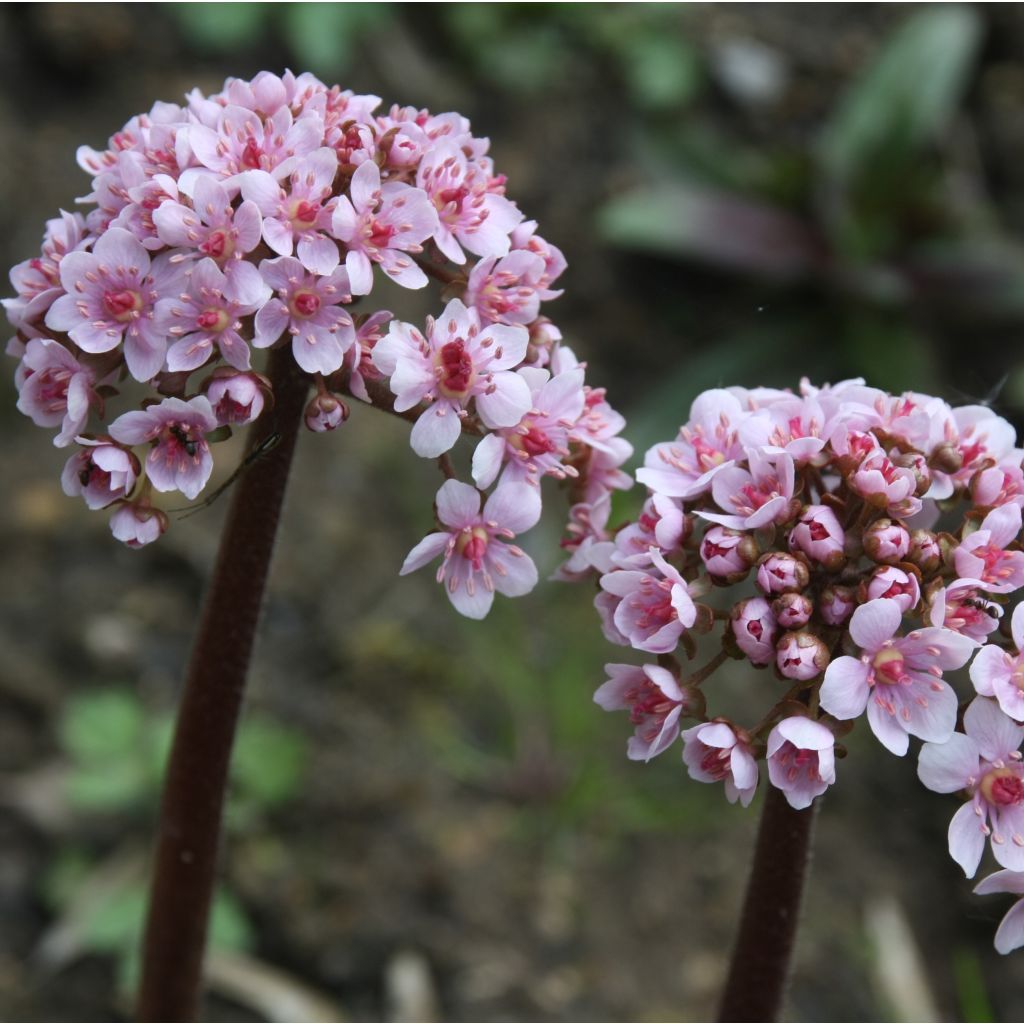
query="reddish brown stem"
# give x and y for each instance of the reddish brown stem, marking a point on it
(197, 773)
(759, 971)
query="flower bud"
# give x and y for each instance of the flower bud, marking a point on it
(946, 458)
(754, 628)
(819, 536)
(137, 523)
(886, 541)
(836, 603)
(792, 610)
(896, 585)
(801, 656)
(325, 412)
(924, 551)
(779, 572)
(236, 397)
(728, 554)
(918, 465)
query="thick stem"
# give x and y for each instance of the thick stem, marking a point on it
(197, 773)
(759, 971)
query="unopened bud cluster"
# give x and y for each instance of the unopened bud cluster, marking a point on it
(263, 217)
(877, 538)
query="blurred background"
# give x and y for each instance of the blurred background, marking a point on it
(429, 817)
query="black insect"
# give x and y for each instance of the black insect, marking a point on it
(184, 440)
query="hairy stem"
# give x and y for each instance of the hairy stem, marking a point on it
(190, 814)
(759, 971)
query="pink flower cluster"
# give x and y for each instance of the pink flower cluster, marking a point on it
(262, 217)
(880, 536)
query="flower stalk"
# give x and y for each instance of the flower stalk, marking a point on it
(192, 807)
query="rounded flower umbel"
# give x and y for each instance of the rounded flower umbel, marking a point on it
(477, 560)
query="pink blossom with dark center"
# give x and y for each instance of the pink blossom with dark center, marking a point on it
(214, 229)
(359, 358)
(180, 458)
(539, 443)
(111, 295)
(724, 554)
(999, 673)
(896, 585)
(54, 388)
(477, 561)
(308, 307)
(998, 485)
(885, 485)
(756, 496)
(588, 542)
(661, 524)
(298, 219)
(524, 236)
(470, 215)
(779, 572)
(653, 610)
(655, 703)
(836, 604)
(100, 472)
(886, 541)
(797, 426)
(983, 555)
(898, 679)
(792, 611)
(985, 762)
(801, 760)
(325, 412)
(754, 627)
(457, 362)
(384, 224)
(205, 317)
(713, 752)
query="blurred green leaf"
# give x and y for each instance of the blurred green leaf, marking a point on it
(101, 726)
(662, 69)
(325, 36)
(113, 785)
(971, 991)
(229, 926)
(907, 96)
(687, 219)
(268, 762)
(222, 26)
(116, 923)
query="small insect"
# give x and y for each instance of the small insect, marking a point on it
(257, 452)
(183, 439)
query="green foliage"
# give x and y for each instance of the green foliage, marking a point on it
(215, 26)
(971, 990)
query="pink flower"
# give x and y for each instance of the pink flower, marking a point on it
(309, 308)
(111, 296)
(836, 604)
(982, 555)
(896, 585)
(653, 610)
(214, 229)
(100, 472)
(724, 554)
(55, 388)
(383, 224)
(477, 562)
(984, 761)
(712, 752)
(964, 608)
(1010, 933)
(801, 655)
(325, 412)
(898, 679)
(457, 363)
(882, 483)
(754, 627)
(998, 485)
(801, 760)
(792, 611)
(886, 541)
(137, 524)
(235, 397)
(756, 497)
(205, 316)
(588, 542)
(537, 445)
(661, 524)
(469, 214)
(297, 219)
(506, 291)
(997, 673)
(819, 536)
(180, 457)
(655, 704)
(684, 468)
